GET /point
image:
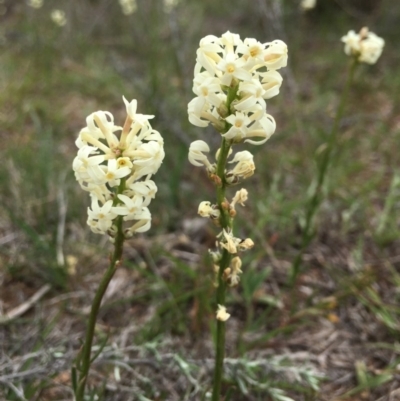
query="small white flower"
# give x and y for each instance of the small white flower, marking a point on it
(232, 67)
(196, 156)
(271, 83)
(275, 55)
(87, 156)
(230, 41)
(143, 217)
(244, 165)
(208, 210)
(240, 197)
(263, 128)
(100, 218)
(253, 93)
(131, 108)
(146, 189)
(252, 51)
(129, 208)
(206, 88)
(147, 158)
(229, 242)
(238, 130)
(222, 314)
(109, 174)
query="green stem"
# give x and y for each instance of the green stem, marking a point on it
(84, 359)
(316, 198)
(226, 223)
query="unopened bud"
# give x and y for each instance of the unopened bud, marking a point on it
(222, 314)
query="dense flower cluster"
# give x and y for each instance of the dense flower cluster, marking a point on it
(117, 171)
(246, 70)
(365, 45)
(232, 81)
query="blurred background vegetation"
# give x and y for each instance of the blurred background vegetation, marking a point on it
(58, 67)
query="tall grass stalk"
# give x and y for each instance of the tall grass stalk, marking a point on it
(317, 195)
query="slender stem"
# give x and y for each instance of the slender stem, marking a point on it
(316, 198)
(226, 223)
(84, 359)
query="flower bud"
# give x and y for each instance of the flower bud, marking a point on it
(222, 314)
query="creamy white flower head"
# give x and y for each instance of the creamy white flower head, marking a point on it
(276, 55)
(222, 314)
(196, 156)
(104, 162)
(365, 46)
